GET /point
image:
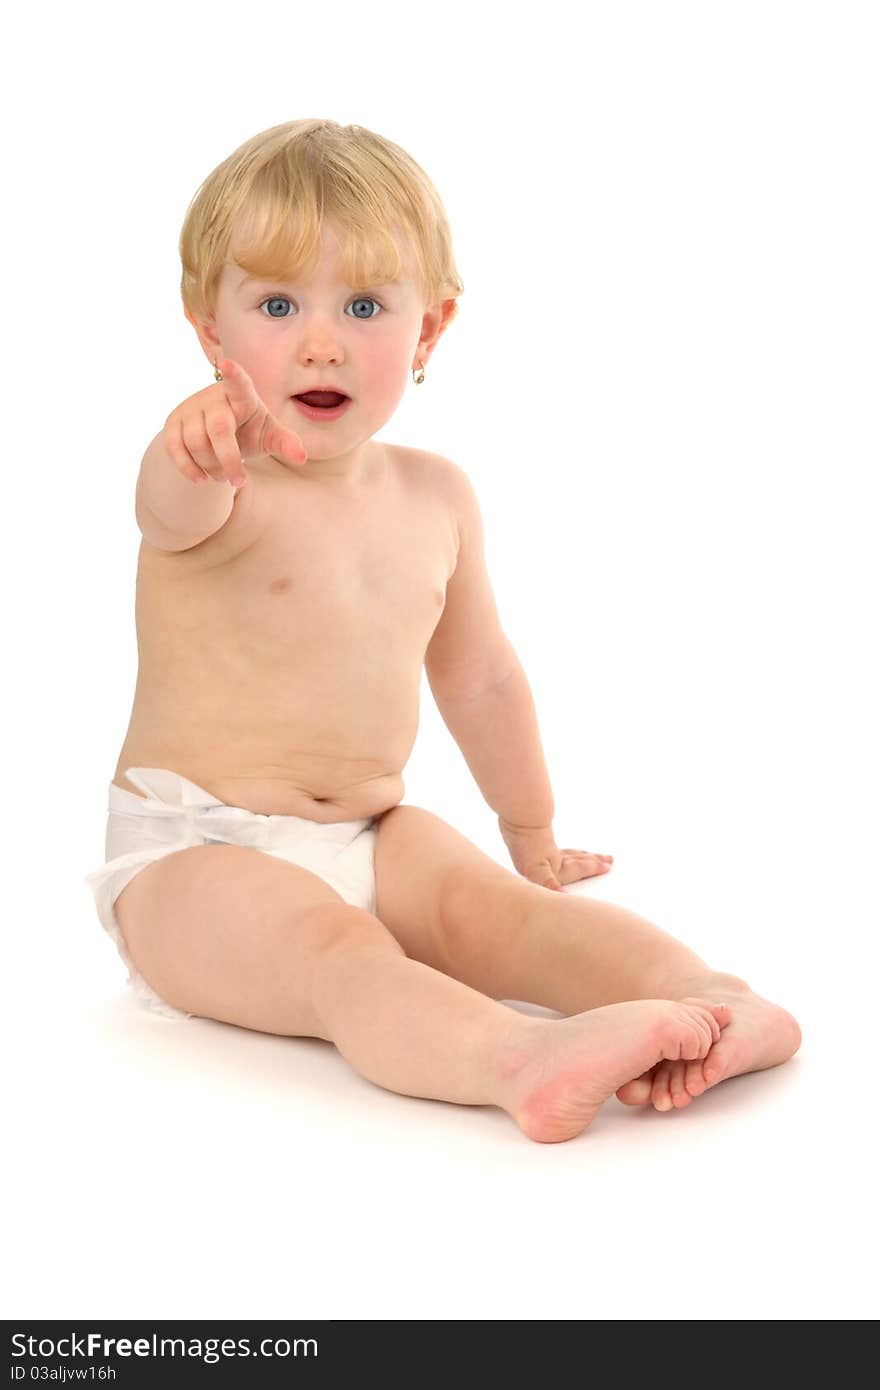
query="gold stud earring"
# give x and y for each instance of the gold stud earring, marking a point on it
(421, 376)
(218, 376)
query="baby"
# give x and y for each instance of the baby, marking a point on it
(294, 576)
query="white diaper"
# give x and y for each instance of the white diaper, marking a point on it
(178, 814)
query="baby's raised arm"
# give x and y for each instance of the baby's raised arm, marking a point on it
(206, 438)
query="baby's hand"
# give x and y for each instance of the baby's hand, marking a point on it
(536, 856)
(211, 433)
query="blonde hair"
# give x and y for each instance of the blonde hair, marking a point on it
(272, 195)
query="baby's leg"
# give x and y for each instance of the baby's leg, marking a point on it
(414, 1030)
(573, 953)
(453, 906)
(578, 950)
(228, 933)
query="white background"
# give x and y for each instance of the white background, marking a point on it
(663, 383)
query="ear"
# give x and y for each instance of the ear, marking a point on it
(206, 332)
(434, 322)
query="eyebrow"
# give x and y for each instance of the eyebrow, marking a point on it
(264, 280)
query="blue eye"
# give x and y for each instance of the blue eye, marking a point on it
(282, 299)
(367, 299)
(276, 299)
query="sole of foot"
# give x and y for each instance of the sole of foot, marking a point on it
(573, 1065)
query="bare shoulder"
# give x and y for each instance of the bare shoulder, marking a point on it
(440, 477)
(442, 487)
(460, 497)
(418, 466)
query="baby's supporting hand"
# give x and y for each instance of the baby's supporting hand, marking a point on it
(210, 434)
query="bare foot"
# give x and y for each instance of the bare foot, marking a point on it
(760, 1035)
(554, 1091)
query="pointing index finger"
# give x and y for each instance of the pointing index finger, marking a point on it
(226, 367)
(234, 371)
(240, 390)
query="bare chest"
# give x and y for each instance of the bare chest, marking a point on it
(325, 584)
(288, 655)
(335, 579)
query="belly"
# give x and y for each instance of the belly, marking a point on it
(279, 745)
(274, 796)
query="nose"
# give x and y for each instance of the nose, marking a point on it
(320, 344)
(330, 355)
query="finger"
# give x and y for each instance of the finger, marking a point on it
(585, 856)
(173, 440)
(572, 870)
(278, 440)
(578, 873)
(237, 386)
(221, 432)
(199, 447)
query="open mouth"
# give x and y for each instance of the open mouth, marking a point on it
(322, 400)
(322, 407)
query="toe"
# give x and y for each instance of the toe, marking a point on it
(637, 1091)
(722, 1013)
(677, 1088)
(694, 1080)
(660, 1095)
(713, 1069)
(719, 1062)
(719, 1015)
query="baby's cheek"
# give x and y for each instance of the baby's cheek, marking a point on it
(271, 377)
(382, 381)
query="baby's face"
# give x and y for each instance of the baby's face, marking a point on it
(292, 338)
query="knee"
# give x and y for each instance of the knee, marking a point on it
(342, 926)
(482, 912)
(347, 944)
